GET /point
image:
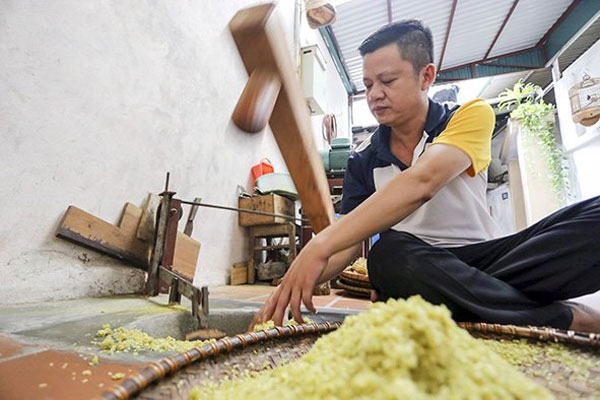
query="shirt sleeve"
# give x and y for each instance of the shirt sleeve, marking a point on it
(470, 129)
(355, 189)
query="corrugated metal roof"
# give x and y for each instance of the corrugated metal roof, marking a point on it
(580, 44)
(476, 25)
(473, 30)
(372, 14)
(435, 15)
(543, 77)
(528, 24)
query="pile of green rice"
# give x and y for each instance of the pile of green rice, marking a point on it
(401, 349)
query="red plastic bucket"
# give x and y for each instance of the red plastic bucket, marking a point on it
(262, 168)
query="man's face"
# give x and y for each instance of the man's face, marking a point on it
(392, 88)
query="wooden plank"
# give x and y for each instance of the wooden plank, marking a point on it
(275, 230)
(121, 241)
(145, 229)
(116, 241)
(189, 225)
(186, 255)
(258, 39)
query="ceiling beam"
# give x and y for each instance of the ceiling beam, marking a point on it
(520, 66)
(389, 11)
(438, 80)
(512, 8)
(478, 73)
(340, 64)
(559, 21)
(450, 21)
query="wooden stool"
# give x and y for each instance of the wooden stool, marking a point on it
(287, 229)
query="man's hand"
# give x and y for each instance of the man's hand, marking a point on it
(296, 287)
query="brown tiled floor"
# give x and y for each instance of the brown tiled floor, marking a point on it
(10, 348)
(36, 372)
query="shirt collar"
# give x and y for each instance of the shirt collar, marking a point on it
(381, 139)
(435, 116)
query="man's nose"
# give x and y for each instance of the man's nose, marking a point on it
(375, 93)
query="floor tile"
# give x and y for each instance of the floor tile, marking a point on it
(10, 348)
(51, 374)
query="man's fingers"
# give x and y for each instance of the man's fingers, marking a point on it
(307, 298)
(256, 320)
(282, 303)
(295, 306)
(266, 311)
(269, 308)
(259, 318)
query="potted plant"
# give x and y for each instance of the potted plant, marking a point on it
(538, 126)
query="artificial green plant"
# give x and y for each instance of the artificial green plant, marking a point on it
(537, 120)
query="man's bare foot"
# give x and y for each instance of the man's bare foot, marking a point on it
(374, 296)
(585, 318)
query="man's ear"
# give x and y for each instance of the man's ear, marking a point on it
(428, 76)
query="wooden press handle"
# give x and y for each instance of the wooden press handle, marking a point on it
(256, 103)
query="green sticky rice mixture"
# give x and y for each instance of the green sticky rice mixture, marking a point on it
(270, 324)
(401, 349)
(523, 353)
(117, 340)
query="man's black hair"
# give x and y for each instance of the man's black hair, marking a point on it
(412, 37)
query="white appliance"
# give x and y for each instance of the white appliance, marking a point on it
(314, 69)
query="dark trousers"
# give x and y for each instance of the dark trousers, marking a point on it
(518, 279)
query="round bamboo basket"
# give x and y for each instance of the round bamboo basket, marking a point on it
(355, 284)
(353, 276)
(269, 341)
(173, 377)
(354, 290)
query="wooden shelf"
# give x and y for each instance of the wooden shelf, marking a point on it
(272, 247)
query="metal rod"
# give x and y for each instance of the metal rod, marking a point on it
(167, 182)
(243, 210)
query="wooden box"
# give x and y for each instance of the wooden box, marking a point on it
(239, 274)
(270, 203)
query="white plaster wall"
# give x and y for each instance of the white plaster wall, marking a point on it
(97, 101)
(581, 143)
(540, 197)
(337, 97)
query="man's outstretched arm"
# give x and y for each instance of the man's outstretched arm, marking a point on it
(399, 198)
(338, 262)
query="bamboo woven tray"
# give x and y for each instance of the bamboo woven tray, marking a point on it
(355, 284)
(355, 276)
(354, 290)
(173, 377)
(352, 282)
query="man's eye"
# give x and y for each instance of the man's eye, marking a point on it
(388, 81)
